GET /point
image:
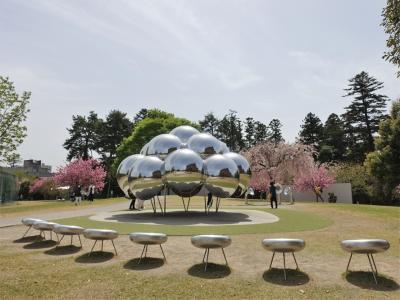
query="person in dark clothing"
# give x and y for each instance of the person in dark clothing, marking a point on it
(272, 193)
(91, 193)
(209, 200)
(78, 195)
(132, 196)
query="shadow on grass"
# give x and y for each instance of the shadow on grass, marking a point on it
(146, 263)
(27, 239)
(41, 244)
(63, 250)
(293, 277)
(365, 280)
(95, 257)
(214, 271)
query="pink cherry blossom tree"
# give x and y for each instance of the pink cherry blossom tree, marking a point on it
(280, 162)
(317, 176)
(82, 172)
(39, 183)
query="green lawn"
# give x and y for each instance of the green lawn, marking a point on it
(25, 206)
(289, 221)
(372, 210)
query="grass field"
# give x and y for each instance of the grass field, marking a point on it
(36, 270)
(48, 205)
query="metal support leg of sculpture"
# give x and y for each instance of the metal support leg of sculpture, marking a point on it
(165, 259)
(208, 252)
(29, 228)
(348, 264)
(284, 265)
(161, 208)
(114, 247)
(91, 250)
(153, 204)
(80, 242)
(294, 257)
(223, 252)
(141, 255)
(272, 259)
(372, 268)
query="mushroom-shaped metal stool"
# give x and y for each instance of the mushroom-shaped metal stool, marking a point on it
(29, 222)
(44, 226)
(283, 246)
(368, 247)
(148, 238)
(211, 241)
(68, 230)
(101, 235)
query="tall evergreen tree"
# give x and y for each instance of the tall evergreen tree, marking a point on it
(210, 124)
(311, 132)
(363, 115)
(261, 132)
(276, 132)
(249, 130)
(333, 146)
(142, 114)
(82, 136)
(230, 130)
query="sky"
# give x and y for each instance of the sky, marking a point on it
(264, 59)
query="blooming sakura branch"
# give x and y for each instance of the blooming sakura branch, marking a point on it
(81, 172)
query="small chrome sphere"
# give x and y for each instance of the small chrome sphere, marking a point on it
(143, 151)
(163, 144)
(244, 171)
(204, 144)
(222, 175)
(184, 132)
(184, 172)
(145, 177)
(123, 172)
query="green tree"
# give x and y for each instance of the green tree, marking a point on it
(142, 114)
(391, 23)
(83, 136)
(157, 122)
(363, 115)
(333, 147)
(230, 130)
(357, 175)
(276, 132)
(210, 124)
(110, 134)
(384, 163)
(261, 132)
(311, 132)
(13, 112)
(249, 129)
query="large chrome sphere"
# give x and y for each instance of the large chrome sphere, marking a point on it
(224, 148)
(145, 178)
(143, 151)
(184, 132)
(222, 175)
(204, 144)
(163, 144)
(123, 171)
(244, 171)
(184, 172)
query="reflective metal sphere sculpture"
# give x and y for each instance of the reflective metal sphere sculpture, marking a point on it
(123, 171)
(204, 144)
(184, 172)
(222, 175)
(163, 144)
(244, 171)
(224, 148)
(143, 151)
(145, 177)
(184, 132)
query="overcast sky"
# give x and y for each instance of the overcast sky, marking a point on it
(264, 59)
